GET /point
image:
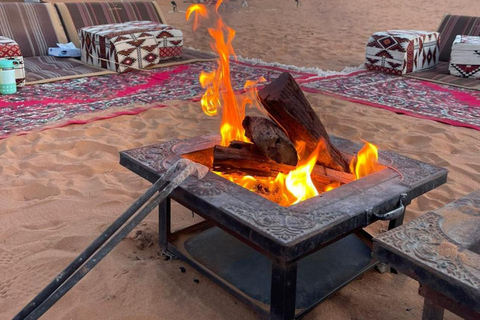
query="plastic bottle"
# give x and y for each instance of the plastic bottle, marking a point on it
(8, 84)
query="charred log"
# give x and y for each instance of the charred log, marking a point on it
(270, 139)
(246, 158)
(287, 105)
(241, 157)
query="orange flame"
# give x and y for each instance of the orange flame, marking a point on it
(332, 186)
(218, 87)
(210, 101)
(198, 9)
(364, 163)
(299, 181)
(285, 189)
(217, 5)
(251, 94)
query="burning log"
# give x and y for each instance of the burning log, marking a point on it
(248, 158)
(286, 105)
(270, 139)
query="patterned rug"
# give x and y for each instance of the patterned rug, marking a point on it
(83, 100)
(57, 104)
(421, 99)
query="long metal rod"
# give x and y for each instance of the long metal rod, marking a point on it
(87, 253)
(75, 271)
(97, 257)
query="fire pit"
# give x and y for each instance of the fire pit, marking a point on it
(280, 260)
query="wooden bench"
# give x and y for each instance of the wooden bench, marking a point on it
(441, 250)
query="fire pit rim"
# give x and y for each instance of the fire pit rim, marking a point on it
(278, 229)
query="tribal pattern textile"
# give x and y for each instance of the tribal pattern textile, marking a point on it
(56, 104)
(465, 57)
(402, 51)
(421, 99)
(9, 49)
(131, 45)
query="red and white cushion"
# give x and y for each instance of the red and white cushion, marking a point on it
(402, 51)
(465, 57)
(130, 45)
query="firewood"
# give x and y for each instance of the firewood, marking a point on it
(287, 106)
(270, 139)
(247, 158)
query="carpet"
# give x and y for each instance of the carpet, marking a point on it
(441, 75)
(81, 100)
(421, 99)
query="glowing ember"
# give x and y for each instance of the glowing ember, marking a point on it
(285, 189)
(332, 186)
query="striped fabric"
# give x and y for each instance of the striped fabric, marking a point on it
(76, 15)
(441, 75)
(48, 69)
(452, 26)
(43, 69)
(34, 26)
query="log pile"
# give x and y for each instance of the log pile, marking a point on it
(291, 134)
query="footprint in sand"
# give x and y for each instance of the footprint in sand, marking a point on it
(51, 225)
(7, 258)
(86, 148)
(25, 281)
(417, 140)
(35, 191)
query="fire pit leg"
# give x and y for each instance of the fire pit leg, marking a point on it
(432, 311)
(383, 267)
(283, 291)
(164, 219)
(396, 222)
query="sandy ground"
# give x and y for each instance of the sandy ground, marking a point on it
(60, 188)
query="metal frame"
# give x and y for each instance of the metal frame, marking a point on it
(284, 235)
(284, 274)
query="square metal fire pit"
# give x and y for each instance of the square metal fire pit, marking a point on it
(281, 260)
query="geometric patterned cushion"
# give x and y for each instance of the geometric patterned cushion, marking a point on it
(131, 45)
(450, 27)
(465, 57)
(77, 15)
(402, 51)
(34, 26)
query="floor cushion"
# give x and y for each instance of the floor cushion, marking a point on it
(131, 45)
(402, 51)
(465, 57)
